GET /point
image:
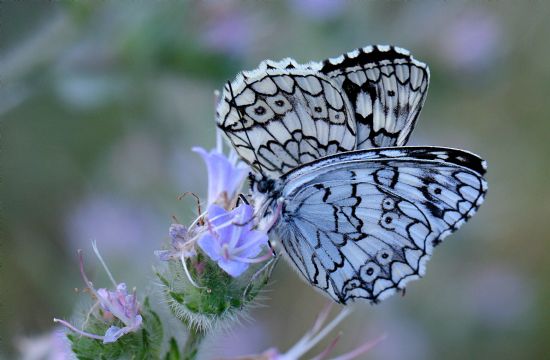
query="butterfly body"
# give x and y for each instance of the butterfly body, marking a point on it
(357, 213)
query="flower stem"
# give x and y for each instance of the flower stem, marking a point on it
(191, 347)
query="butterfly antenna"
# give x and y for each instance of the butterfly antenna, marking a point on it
(196, 198)
(243, 199)
(241, 119)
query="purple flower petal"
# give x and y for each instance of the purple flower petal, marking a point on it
(112, 334)
(177, 231)
(211, 247)
(230, 240)
(224, 176)
(233, 268)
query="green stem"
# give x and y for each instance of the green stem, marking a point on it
(191, 347)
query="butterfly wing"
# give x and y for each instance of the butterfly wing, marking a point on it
(362, 224)
(278, 117)
(386, 87)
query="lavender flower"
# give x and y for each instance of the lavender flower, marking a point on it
(115, 304)
(230, 240)
(122, 306)
(472, 41)
(181, 244)
(225, 174)
(50, 346)
(319, 9)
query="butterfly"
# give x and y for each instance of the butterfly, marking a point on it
(357, 212)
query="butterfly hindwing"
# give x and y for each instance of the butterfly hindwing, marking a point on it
(362, 224)
(386, 87)
(279, 118)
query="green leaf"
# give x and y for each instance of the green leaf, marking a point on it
(173, 352)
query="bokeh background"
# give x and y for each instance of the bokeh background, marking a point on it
(100, 103)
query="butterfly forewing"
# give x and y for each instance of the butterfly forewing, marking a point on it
(362, 224)
(386, 87)
(278, 119)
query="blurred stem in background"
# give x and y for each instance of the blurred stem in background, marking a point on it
(192, 344)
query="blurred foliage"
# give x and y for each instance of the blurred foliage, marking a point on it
(101, 101)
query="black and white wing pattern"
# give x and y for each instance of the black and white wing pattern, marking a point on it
(386, 87)
(280, 116)
(362, 224)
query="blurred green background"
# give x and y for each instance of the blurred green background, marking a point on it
(100, 103)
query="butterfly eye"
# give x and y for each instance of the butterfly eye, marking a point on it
(336, 117)
(265, 185)
(434, 189)
(260, 110)
(352, 284)
(369, 271)
(388, 220)
(384, 256)
(279, 104)
(388, 203)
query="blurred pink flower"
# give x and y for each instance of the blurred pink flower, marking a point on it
(319, 9)
(51, 346)
(472, 41)
(114, 222)
(230, 28)
(499, 296)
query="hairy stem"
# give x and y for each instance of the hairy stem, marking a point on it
(191, 347)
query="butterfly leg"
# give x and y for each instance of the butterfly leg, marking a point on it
(268, 269)
(276, 215)
(242, 199)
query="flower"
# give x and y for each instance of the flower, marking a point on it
(123, 306)
(115, 304)
(230, 240)
(181, 244)
(312, 338)
(230, 29)
(473, 41)
(50, 346)
(319, 9)
(225, 174)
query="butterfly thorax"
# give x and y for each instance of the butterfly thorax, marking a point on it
(264, 185)
(265, 192)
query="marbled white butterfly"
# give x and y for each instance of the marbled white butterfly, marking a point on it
(356, 211)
